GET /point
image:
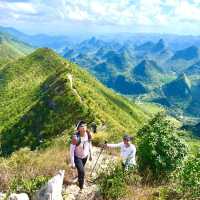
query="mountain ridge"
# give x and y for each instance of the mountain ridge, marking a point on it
(49, 103)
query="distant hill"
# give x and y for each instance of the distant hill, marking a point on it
(11, 48)
(122, 85)
(193, 70)
(189, 53)
(143, 66)
(147, 70)
(179, 88)
(147, 46)
(194, 128)
(184, 58)
(151, 47)
(159, 47)
(180, 96)
(39, 40)
(43, 94)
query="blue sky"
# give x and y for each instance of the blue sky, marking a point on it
(101, 16)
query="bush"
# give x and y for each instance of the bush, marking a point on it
(168, 193)
(29, 186)
(189, 178)
(111, 182)
(160, 149)
(114, 181)
(99, 138)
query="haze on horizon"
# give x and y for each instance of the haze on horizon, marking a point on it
(65, 17)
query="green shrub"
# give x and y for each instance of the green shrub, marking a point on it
(111, 182)
(29, 186)
(168, 193)
(189, 178)
(132, 177)
(160, 149)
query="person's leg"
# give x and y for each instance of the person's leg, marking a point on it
(81, 172)
(123, 166)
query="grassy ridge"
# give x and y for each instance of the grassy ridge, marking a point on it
(37, 102)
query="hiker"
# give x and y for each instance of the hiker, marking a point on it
(128, 151)
(81, 150)
(94, 127)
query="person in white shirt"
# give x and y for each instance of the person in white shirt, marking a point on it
(81, 150)
(128, 151)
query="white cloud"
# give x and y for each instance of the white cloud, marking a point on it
(163, 13)
(98, 8)
(187, 12)
(19, 7)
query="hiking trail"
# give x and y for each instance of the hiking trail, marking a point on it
(70, 77)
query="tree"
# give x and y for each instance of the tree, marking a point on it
(160, 149)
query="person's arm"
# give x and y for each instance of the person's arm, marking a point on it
(72, 149)
(114, 145)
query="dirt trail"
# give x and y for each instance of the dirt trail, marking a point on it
(70, 77)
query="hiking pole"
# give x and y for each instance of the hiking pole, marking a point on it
(98, 158)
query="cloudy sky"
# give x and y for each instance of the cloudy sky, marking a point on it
(101, 16)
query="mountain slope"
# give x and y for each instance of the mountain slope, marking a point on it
(179, 88)
(10, 48)
(38, 102)
(194, 69)
(189, 53)
(184, 58)
(40, 40)
(147, 70)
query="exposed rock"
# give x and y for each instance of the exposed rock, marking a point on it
(21, 196)
(53, 189)
(73, 192)
(2, 196)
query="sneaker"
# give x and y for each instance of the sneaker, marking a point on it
(84, 186)
(80, 191)
(75, 179)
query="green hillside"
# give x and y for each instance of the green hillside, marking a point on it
(37, 102)
(10, 48)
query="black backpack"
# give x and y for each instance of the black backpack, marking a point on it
(77, 134)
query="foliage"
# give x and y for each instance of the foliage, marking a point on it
(113, 181)
(99, 138)
(29, 186)
(188, 178)
(168, 193)
(160, 149)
